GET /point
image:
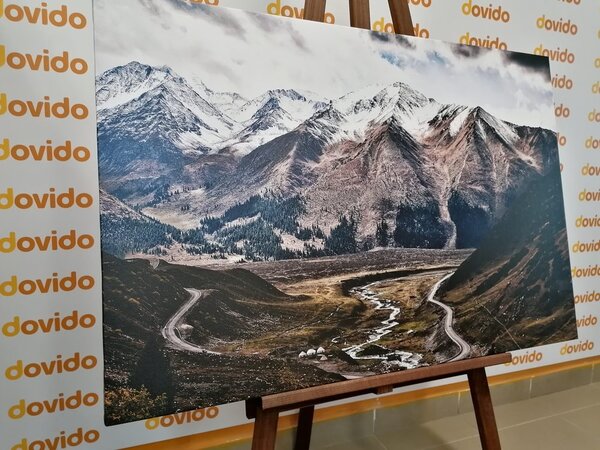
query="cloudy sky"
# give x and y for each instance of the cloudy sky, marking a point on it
(231, 50)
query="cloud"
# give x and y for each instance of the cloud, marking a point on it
(466, 51)
(392, 38)
(531, 63)
(231, 50)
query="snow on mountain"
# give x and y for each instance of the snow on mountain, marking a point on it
(122, 84)
(115, 209)
(378, 103)
(271, 115)
(226, 102)
(442, 173)
(154, 94)
(299, 105)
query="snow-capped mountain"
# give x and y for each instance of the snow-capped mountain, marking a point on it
(271, 115)
(299, 105)
(122, 84)
(443, 174)
(229, 103)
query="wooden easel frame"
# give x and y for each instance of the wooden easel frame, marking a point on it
(266, 410)
(360, 16)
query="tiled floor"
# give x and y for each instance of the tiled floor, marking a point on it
(566, 420)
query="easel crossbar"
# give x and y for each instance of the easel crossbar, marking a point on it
(287, 401)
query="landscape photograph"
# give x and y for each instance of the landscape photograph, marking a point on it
(286, 204)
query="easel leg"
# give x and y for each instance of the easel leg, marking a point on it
(265, 430)
(484, 411)
(304, 430)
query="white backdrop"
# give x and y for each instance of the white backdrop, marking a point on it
(50, 297)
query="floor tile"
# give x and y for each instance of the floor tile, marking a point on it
(501, 395)
(388, 420)
(365, 443)
(430, 434)
(464, 444)
(559, 381)
(587, 419)
(346, 429)
(547, 434)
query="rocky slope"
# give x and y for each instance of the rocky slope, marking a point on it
(439, 176)
(515, 289)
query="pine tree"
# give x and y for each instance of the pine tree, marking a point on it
(382, 234)
(342, 238)
(153, 371)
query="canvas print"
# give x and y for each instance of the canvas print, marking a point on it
(286, 204)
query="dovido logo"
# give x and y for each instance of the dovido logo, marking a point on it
(46, 108)
(57, 366)
(584, 272)
(487, 42)
(182, 418)
(589, 196)
(588, 297)
(46, 152)
(559, 26)
(53, 242)
(568, 349)
(50, 199)
(587, 222)
(594, 116)
(563, 82)
(585, 247)
(590, 171)
(54, 284)
(526, 358)
(562, 111)
(277, 9)
(43, 62)
(423, 3)
(62, 441)
(58, 404)
(388, 27)
(42, 15)
(491, 12)
(558, 54)
(587, 321)
(592, 143)
(54, 324)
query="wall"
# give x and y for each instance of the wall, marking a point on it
(50, 329)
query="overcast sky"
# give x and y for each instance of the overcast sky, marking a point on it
(232, 50)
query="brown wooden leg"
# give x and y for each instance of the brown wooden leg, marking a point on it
(484, 411)
(401, 17)
(304, 430)
(314, 10)
(265, 429)
(360, 15)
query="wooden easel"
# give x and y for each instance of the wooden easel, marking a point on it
(265, 410)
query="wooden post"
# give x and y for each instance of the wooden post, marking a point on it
(265, 429)
(401, 17)
(304, 430)
(314, 10)
(360, 14)
(484, 410)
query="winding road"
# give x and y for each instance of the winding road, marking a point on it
(171, 330)
(464, 346)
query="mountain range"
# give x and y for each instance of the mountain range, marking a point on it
(437, 175)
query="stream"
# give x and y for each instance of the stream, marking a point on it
(398, 358)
